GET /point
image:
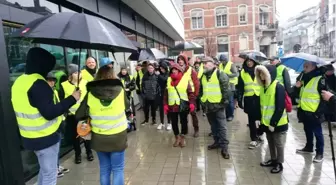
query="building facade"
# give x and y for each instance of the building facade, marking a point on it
(152, 23)
(230, 27)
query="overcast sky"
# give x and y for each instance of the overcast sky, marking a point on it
(290, 8)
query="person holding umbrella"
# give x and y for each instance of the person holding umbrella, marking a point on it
(311, 108)
(90, 69)
(105, 105)
(249, 90)
(75, 80)
(31, 96)
(231, 71)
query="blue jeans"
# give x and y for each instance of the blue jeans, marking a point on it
(229, 110)
(48, 159)
(313, 127)
(111, 163)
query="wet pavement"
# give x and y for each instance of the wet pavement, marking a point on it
(151, 160)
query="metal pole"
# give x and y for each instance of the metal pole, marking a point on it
(254, 24)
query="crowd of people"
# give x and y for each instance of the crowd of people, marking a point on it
(48, 104)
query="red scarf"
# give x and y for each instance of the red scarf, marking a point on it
(176, 78)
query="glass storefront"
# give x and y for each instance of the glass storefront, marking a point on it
(142, 41)
(150, 43)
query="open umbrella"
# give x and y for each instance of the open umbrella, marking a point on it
(257, 56)
(295, 61)
(147, 54)
(186, 46)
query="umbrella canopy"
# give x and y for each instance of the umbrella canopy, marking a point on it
(186, 46)
(295, 61)
(147, 54)
(76, 30)
(254, 55)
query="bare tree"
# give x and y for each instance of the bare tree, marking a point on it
(210, 45)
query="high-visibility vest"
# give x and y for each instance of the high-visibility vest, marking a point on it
(123, 82)
(251, 87)
(173, 97)
(279, 76)
(211, 89)
(139, 74)
(87, 76)
(58, 76)
(31, 123)
(267, 105)
(227, 70)
(309, 95)
(70, 88)
(187, 75)
(57, 99)
(200, 71)
(107, 120)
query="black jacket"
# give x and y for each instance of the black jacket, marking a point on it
(129, 83)
(150, 86)
(279, 99)
(41, 96)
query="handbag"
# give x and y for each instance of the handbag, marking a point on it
(184, 105)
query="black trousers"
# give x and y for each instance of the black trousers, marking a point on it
(152, 105)
(72, 122)
(252, 125)
(161, 109)
(183, 120)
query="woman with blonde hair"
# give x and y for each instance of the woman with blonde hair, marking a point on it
(105, 106)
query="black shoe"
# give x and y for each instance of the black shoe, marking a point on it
(154, 122)
(143, 123)
(304, 151)
(268, 163)
(210, 134)
(213, 146)
(90, 157)
(318, 158)
(78, 159)
(277, 168)
(225, 154)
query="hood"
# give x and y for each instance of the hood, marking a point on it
(176, 66)
(269, 72)
(164, 64)
(223, 58)
(107, 89)
(39, 61)
(185, 59)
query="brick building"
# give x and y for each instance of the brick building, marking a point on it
(227, 26)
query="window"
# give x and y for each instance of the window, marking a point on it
(199, 51)
(98, 54)
(221, 17)
(264, 15)
(223, 44)
(150, 43)
(243, 42)
(242, 12)
(334, 8)
(142, 41)
(197, 19)
(73, 54)
(42, 7)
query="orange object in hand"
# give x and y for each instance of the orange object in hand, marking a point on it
(83, 128)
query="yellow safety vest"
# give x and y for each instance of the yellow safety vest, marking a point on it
(188, 75)
(309, 95)
(87, 76)
(251, 87)
(107, 120)
(70, 88)
(140, 75)
(227, 70)
(279, 76)
(200, 71)
(211, 89)
(173, 98)
(267, 105)
(123, 82)
(57, 99)
(31, 123)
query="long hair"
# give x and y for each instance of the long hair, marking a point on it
(105, 73)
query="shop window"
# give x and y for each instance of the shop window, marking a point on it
(98, 54)
(221, 17)
(150, 43)
(197, 19)
(73, 54)
(242, 12)
(200, 41)
(142, 41)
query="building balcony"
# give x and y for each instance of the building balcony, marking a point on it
(267, 27)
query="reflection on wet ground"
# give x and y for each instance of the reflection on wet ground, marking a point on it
(151, 160)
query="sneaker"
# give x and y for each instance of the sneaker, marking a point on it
(169, 126)
(318, 158)
(277, 168)
(63, 170)
(229, 119)
(268, 163)
(204, 114)
(143, 123)
(225, 154)
(304, 151)
(160, 126)
(253, 145)
(60, 174)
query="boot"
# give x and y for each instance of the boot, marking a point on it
(182, 142)
(78, 159)
(177, 141)
(90, 156)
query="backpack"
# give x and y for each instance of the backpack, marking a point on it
(288, 103)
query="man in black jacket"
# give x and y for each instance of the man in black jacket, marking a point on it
(151, 90)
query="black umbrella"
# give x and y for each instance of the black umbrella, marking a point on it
(186, 46)
(147, 54)
(257, 56)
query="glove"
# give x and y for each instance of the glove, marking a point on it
(192, 107)
(257, 122)
(165, 109)
(270, 128)
(240, 104)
